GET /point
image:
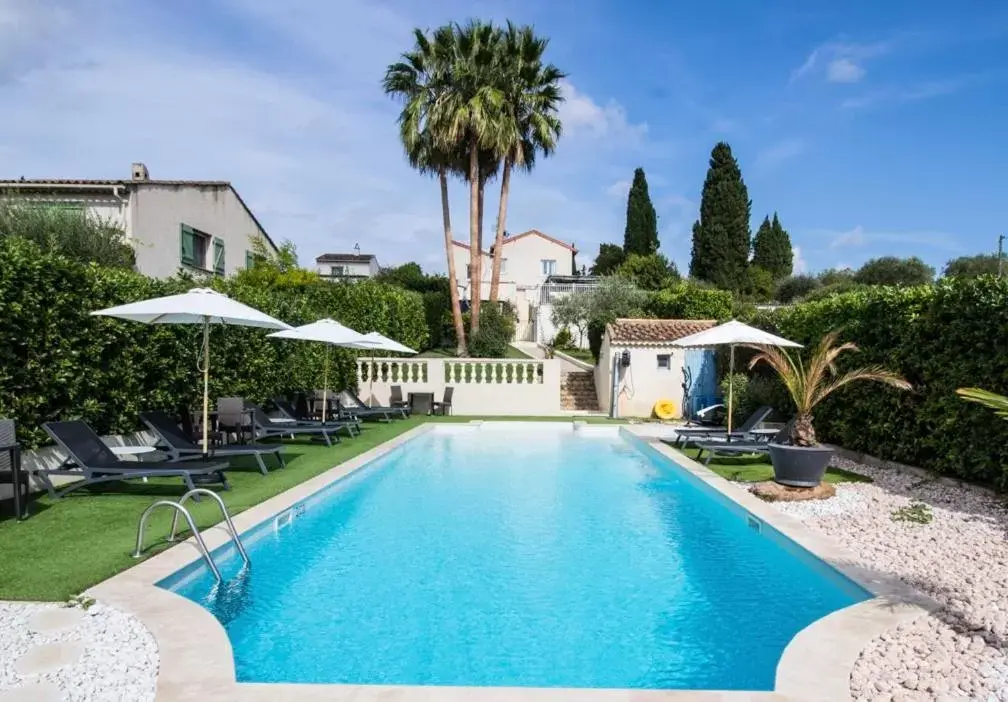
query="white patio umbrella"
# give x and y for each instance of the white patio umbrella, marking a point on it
(382, 343)
(329, 332)
(732, 334)
(198, 306)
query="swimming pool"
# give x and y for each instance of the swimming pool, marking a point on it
(518, 555)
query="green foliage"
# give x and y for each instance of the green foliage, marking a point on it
(772, 249)
(971, 266)
(436, 298)
(71, 231)
(496, 329)
(641, 233)
(58, 362)
(939, 337)
(689, 301)
(990, 400)
(916, 513)
(835, 276)
(609, 258)
(721, 236)
(614, 298)
(795, 287)
(650, 272)
(833, 289)
(572, 310)
(740, 389)
(757, 285)
(563, 340)
(891, 270)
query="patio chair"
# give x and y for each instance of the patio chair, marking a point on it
(232, 417)
(396, 400)
(721, 448)
(10, 468)
(180, 447)
(289, 413)
(685, 435)
(445, 406)
(89, 459)
(265, 427)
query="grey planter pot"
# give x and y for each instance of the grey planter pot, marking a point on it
(799, 466)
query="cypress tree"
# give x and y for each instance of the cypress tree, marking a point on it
(721, 237)
(772, 248)
(641, 233)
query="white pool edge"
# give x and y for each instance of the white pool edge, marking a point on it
(197, 661)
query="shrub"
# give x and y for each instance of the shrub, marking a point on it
(648, 272)
(939, 337)
(690, 301)
(497, 327)
(563, 340)
(58, 362)
(796, 287)
(740, 387)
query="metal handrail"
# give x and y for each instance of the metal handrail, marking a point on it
(192, 526)
(224, 511)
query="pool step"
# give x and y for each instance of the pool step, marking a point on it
(577, 392)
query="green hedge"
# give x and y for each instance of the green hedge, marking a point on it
(58, 362)
(940, 337)
(686, 301)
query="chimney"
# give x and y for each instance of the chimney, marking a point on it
(140, 172)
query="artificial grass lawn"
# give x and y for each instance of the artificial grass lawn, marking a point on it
(68, 545)
(754, 468)
(580, 354)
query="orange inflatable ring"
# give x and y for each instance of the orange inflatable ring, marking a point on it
(665, 409)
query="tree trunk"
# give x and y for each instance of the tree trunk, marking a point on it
(453, 292)
(475, 254)
(803, 433)
(499, 238)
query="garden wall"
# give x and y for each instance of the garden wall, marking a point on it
(58, 362)
(950, 335)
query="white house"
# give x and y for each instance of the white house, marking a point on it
(528, 260)
(202, 226)
(343, 266)
(638, 362)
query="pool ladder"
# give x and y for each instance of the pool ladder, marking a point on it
(179, 508)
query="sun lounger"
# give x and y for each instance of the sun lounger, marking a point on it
(180, 447)
(686, 435)
(721, 448)
(288, 413)
(265, 427)
(89, 459)
(360, 406)
(349, 406)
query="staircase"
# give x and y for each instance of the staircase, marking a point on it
(577, 392)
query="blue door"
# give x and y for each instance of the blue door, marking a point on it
(699, 381)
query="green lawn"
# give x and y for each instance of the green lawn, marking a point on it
(67, 545)
(756, 467)
(580, 354)
(511, 352)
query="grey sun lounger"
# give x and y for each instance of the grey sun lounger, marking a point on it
(362, 410)
(266, 427)
(89, 459)
(180, 447)
(686, 435)
(721, 448)
(290, 415)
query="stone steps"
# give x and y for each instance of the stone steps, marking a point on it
(577, 392)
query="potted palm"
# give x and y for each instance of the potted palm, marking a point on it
(801, 461)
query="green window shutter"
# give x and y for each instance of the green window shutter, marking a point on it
(187, 246)
(218, 256)
(249, 260)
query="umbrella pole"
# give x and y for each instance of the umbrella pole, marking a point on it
(325, 386)
(731, 378)
(370, 375)
(206, 382)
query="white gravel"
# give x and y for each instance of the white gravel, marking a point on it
(118, 658)
(960, 559)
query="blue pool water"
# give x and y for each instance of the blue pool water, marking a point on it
(524, 556)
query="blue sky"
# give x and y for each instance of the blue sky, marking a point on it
(872, 128)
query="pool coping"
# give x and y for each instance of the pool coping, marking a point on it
(196, 661)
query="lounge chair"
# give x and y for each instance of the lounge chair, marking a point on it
(396, 399)
(360, 405)
(445, 406)
(265, 427)
(91, 460)
(686, 435)
(350, 406)
(288, 413)
(180, 447)
(721, 448)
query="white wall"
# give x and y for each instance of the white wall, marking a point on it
(525, 254)
(156, 213)
(491, 389)
(351, 269)
(641, 384)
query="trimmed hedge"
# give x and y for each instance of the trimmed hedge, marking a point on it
(940, 337)
(58, 362)
(686, 301)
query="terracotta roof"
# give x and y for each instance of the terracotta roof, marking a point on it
(344, 258)
(655, 331)
(508, 240)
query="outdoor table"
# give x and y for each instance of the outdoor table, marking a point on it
(16, 477)
(765, 434)
(135, 451)
(421, 402)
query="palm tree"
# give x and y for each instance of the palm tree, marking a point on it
(991, 400)
(420, 80)
(467, 114)
(528, 121)
(809, 385)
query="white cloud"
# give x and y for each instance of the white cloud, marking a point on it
(843, 70)
(778, 153)
(798, 263)
(921, 91)
(620, 189)
(583, 117)
(860, 236)
(851, 237)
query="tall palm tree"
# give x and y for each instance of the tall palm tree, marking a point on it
(527, 120)
(420, 79)
(467, 113)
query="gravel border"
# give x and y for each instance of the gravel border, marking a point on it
(960, 559)
(118, 662)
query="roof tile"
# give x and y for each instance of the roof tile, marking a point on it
(655, 331)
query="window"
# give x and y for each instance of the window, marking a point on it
(548, 266)
(468, 271)
(337, 271)
(664, 361)
(251, 259)
(195, 250)
(503, 266)
(218, 256)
